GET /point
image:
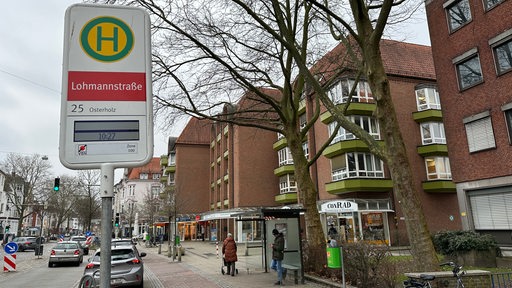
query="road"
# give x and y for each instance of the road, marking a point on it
(33, 271)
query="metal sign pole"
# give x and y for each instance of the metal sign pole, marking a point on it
(107, 193)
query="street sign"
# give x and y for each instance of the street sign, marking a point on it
(11, 248)
(106, 105)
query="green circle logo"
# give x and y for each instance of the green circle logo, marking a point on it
(106, 39)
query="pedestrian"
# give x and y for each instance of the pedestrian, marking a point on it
(332, 242)
(229, 254)
(278, 256)
(332, 231)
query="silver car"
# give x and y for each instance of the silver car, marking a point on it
(66, 252)
(127, 268)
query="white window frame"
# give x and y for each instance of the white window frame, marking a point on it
(369, 124)
(285, 156)
(489, 4)
(435, 134)
(131, 190)
(479, 132)
(438, 168)
(338, 93)
(356, 165)
(287, 184)
(143, 176)
(305, 148)
(427, 98)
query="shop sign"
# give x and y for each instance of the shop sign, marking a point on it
(339, 206)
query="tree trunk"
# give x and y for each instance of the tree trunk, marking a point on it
(401, 173)
(308, 196)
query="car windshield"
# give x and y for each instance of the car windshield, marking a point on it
(117, 254)
(78, 239)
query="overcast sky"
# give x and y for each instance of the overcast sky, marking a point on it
(31, 33)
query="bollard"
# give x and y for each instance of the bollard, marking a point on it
(179, 253)
(160, 248)
(217, 248)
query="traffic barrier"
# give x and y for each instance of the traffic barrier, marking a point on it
(9, 262)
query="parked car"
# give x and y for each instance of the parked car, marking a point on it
(82, 240)
(122, 241)
(127, 266)
(66, 252)
(25, 243)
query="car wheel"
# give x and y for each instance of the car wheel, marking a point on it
(21, 249)
(141, 285)
(50, 264)
(81, 259)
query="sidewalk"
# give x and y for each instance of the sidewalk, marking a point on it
(201, 267)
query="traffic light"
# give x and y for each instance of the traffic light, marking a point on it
(56, 185)
(7, 228)
(116, 223)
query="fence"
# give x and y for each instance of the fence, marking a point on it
(501, 280)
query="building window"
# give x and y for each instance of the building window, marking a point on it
(459, 13)
(432, 133)
(369, 124)
(507, 110)
(131, 190)
(172, 160)
(438, 168)
(305, 148)
(427, 98)
(489, 4)
(339, 92)
(469, 72)
(303, 121)
(155, 190)
(501, 46)
(156, 176)
(285, 157)
(143, 176)
(287, 184)
(479, 132)
(356, 165)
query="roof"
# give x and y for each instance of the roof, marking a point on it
(400, 59)
(152, 167)
(197, 131)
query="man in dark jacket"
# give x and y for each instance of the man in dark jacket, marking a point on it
(278, 255)
(229, 252)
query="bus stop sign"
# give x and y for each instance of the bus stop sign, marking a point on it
(106, 105)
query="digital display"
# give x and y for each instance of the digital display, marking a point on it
(94, 131)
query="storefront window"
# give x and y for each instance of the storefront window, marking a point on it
(373, 226)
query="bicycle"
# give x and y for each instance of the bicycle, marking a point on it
(424, 280)
(457, 272)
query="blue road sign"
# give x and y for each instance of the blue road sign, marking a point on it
(11, 248)
(88, 233)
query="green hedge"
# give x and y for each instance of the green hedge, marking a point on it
(450, 242)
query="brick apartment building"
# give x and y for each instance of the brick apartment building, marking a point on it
(472, 50)
(252, 168)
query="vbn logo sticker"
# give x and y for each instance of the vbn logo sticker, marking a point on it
(106, 39)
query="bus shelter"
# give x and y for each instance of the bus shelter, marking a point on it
(286, 221)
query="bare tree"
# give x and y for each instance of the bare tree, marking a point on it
(62, 204)
(209, 53)
(150, 207)
(27, 183)
(88, 201)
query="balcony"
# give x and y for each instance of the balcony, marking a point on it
(164, 160)
(439, 186)
(164, 178)
(170, 169)
(359, 185)
(280, 144)
(433, 150)
(285, 169)
(286, 198)
(353, 109)
(431, 115)
(346, 146)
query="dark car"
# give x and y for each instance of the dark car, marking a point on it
(66, 252)
(25, 243)
(127, 267)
